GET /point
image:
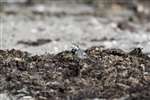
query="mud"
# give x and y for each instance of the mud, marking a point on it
(105, 74)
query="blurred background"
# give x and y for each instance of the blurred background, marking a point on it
(51, 26)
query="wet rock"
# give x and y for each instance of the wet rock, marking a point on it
(102, 39)
(126, 26)
(38, 42)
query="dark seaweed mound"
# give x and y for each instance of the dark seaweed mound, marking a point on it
(105, 73)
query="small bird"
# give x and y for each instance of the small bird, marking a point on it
(77, 51)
